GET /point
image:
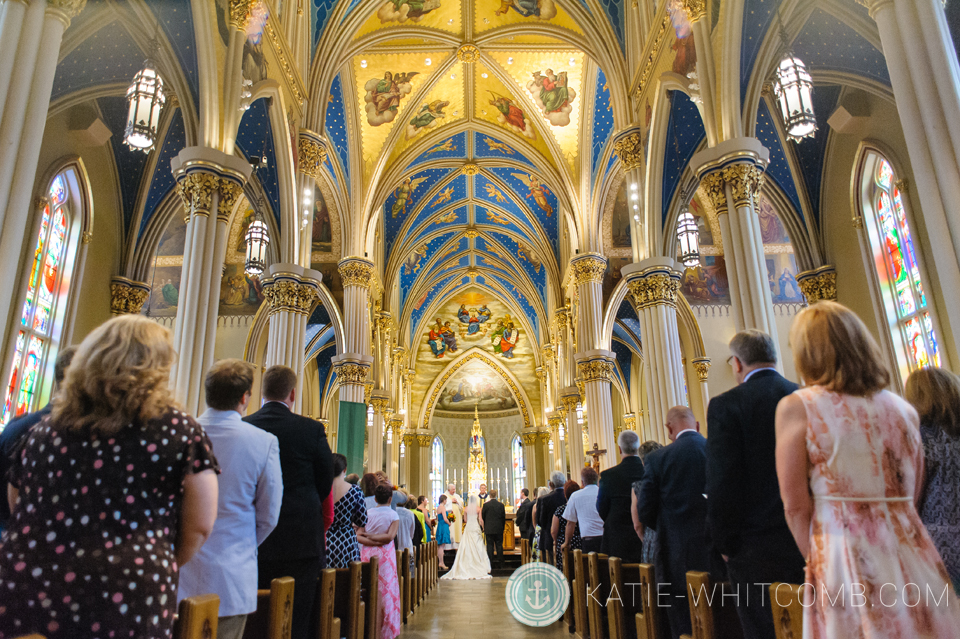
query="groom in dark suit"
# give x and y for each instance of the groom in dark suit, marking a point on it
(493, 518)
(295, 548)
(744, 509)
(613, 501)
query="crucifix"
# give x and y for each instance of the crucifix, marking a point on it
(595, 453)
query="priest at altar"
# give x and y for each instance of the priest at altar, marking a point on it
(455, 506)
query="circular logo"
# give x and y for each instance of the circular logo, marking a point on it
(537, 594)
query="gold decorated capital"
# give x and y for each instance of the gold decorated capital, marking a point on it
(629, 148)
(424, 439)
(529, 439)
(470, 168)
(395, 423)
(695, 9)
(468, 53)
(873, 6)
(127, 297)
(230, 192)
(562, 315)
(544, 436)
(351, 373)
(570, 402)
(588, 268)
(66, 10)
(547, 353)
(630, 421)
(660, 286)
(745, 180)
(196, 192)
(818, 284)
(712, 186)
(596, 370)
(702, 366)
(367, 391)
(409, 439)
(290, 295)
(311, 155)
(355, 271)
(379, 403)
(240, 11)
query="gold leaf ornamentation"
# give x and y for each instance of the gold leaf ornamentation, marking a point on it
(356, 272)
(127, 296)
(351, 372)
(818, 284)
(702, 366)
(468, 53)
(712, 185)
(196, 192)
(290, 295)
(596, 370)
(745, 182)
(658, 288)
(230, 192)
(629, 148)
(66, 10)
(312, 155)
(588, 268)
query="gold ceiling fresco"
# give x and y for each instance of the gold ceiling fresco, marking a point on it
(443, 105)
(491, 14)
(429, 14)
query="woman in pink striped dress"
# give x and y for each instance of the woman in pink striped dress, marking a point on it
(850, 466)
(377, 541)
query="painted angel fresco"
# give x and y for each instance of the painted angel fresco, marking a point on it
(554, 96)
(446, 218)
(428, 117)
(537, 191)
(493, 145)
(403, 10)
(446, 146)
(414, 261)
(445, 196)
(384, 95)
(528, 255)
(403, 193)
(498, 218)
(512, 117)
(543, 9)
(492, 192)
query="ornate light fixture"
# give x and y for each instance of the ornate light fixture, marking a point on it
(145, 100)
(688, 235)
(258, 236)
(793, 89)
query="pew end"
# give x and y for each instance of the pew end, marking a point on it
(197, 617)
(786, 603)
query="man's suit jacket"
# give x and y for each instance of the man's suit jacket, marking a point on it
(671, 501)
(743, 495)
(307, 465)
(546, 507)
(525, 519)
(613, 506)
(494, 518)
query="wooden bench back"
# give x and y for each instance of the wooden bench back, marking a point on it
(406, 586)
(625, 599)
(568, 574)
(370, 594)
(711, 618)
(581, 626)
(598, 584)
(524, 551)
(197, 618)
(647, 617)
(328, 626)
(786, 601)
(347, 604)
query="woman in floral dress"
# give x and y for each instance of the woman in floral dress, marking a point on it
(850, 467)
(377, 541)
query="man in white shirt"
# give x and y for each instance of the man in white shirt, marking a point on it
(582, 509)
(251, 490)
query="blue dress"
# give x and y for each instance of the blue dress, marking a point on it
(443, 531)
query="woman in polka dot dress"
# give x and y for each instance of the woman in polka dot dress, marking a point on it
(116, 489)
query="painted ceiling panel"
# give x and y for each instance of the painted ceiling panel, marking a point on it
(405, 198)
(429, 14)
(485, 146)
(443, 105)
(684, 133)
(496, 219)
(336, 127)
(443, 268)
(602, 122)
(254, 139)
(626, 311)
(420, 306)
(521, 300)
(758, 15)
(319, 316)
(778, 169)
(322, 9)
(325, 374)
(530, 12)
(447, 217)
(615, 14)
(452, 147)
(162, 182)
(108, 56)
(624, 359)
(499, 105)
(130, 163)
(418, 257)
(812, 151)
(528, 258)
(622, 333)
(634, 326)
(176, 17)
(829, 44)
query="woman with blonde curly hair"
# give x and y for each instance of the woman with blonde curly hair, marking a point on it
(850, 468)
(114, 490)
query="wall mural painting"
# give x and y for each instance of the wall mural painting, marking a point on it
(164, 292)
(384, 95)
(543, 9)
(620, 225)
(414, 261)
(686, 57)
(475, 385)
(403, 192)
(493, 145)
(447, 145)
(707, 282)
(553, 95)
(429, 116)
(255, 66)
(443, 197)
(321, 239)
(174, 238)
(538, 191)
(497, 218)
(403, 10)
(445, 218)
(473, 322)
(511, 117)
(527, 254)
(240, 294)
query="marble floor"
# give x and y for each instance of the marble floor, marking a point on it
(472, 610)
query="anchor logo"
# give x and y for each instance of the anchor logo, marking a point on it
(537, 587)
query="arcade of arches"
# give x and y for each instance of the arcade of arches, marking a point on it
(472, 205)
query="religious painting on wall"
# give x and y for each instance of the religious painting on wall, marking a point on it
(475, 385)
(512, 117)
(403, 191)
(782, 278)
(240, 294)
(384, 95)
(620, 224)
(254, 64)
(164, 277)
(686, 53)
(538, 191)
(554, 96)
(321, 239)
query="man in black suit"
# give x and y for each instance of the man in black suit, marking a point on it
(671, 501)
(14, 436)
(744, 509)
(493, 518)
(524, 516)
(546, 507)
(295, 548)
(613, 501)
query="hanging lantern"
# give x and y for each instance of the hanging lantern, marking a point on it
(689, 237)
(257, 240)
(145, 99)
(793, 88)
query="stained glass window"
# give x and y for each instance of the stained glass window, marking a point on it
(519, 469)
(898, 270)
(46, 292)
(436, 470)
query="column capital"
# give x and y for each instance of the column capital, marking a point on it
(745, 180)
(127, 296)
(588, 267)
(66, 10)
(530, 438)
(385, 321)
(311, 153)
(352, 368)
(424, 438)
(595, 366)
(818, 284)
(874, 6)
(628, 145)
(292, 288)
(695, 9)
(409, 438)
(380, 400)
(702, 366)
(562, 316)
(653, 282)
(356, 271)
(712, 185)
(240, 11)
(547, 353)
(630, 421)
(555, 420)
(569, 398)
(395, 423)
(200, 172)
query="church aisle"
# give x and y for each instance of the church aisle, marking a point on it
(470, 609)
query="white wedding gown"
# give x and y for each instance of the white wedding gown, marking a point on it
(471, 561)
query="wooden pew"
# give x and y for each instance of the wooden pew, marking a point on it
(403, 570)
(598, 584)
(328, 626)
(786, 600)
(434, 562)
(274, 614)
(711, 618)
(419, 571)
(524, 551)
(348, 607)
(370, 594)
(626, 599)
(568, 574)
(648, 621)
(197, 617)
(581, 627)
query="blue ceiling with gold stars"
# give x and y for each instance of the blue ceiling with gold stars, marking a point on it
(162, 182)
(602, 123)
(108, 56)
(826, 43)
(176, 17)
(685, 132)
(778, 169)
(255, 139)
(812, 151)
(130, 163)
(336, 128)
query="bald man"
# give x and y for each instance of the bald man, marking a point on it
(671, 501)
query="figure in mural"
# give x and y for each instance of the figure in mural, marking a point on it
(771, 228)
(233, 290)
(694, 284)
(553, 95)
(403, 193)
(446, 146)
(445, 196)
(493, 216)
(528, 255)
(403, 10)
(512, 117)
(171, 294)
(428, 116)
(322, 233)
(505, 337)
(445, 218)
(384, 94)
(543, 9)
(413, 262)
(435, 340)
(620, 222)
(537, 191)
(789, 289)
(483, 313)
(493, 145)
(448, 336)
(472, 321)
(494, 193)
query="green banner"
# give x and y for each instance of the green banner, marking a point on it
(351, 432)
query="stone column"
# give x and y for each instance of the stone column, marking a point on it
(425, 440)
(555, 422)
(702, 366)
(127, 296)
(530, 438)
(209, 183)
(731, 175)
(628, 145)
(696, 11)
(570, 397)
(30, 38)
(408, 462)
(311, 154)
(818, 284)
(654, 285)
(395, 433)
(292, 292)
(377, 432)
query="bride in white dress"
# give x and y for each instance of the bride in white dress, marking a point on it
(471, 561)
